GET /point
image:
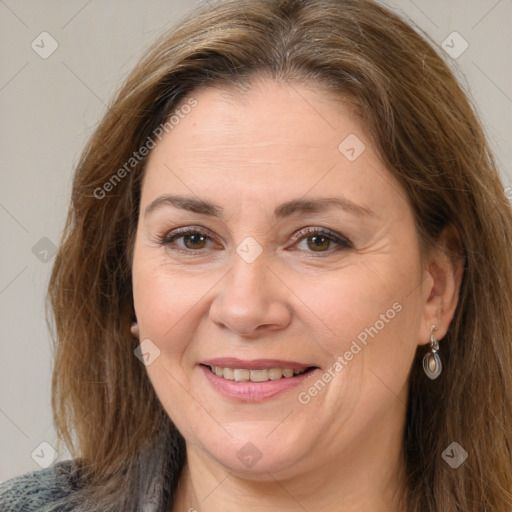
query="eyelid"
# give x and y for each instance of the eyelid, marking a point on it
(341, 240)
(179, 232)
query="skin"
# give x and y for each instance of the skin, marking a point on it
(249, 154)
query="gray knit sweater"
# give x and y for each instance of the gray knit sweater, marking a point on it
(41, 491)
(149, 488)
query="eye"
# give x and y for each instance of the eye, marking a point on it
(193, 239)
(319, 240)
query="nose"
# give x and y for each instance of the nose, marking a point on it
(251, 299)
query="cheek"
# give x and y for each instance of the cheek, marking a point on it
(169, 304)
(369, 322)
(361, 301)
(159, 301)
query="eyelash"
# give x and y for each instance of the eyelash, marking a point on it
(343, 242)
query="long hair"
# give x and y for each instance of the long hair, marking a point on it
(427, 133)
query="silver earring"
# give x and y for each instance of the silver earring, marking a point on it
(431, 362)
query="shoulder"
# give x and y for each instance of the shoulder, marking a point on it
(37, 490)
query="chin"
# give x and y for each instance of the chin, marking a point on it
(256, 455)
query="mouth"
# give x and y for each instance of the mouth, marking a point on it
(256, 375)
(254, 381)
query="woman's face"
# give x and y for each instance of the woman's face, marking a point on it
(302, 253)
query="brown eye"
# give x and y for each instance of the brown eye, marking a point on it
(194, 241)
(318, 242)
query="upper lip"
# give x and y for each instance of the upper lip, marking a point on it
(255, 364)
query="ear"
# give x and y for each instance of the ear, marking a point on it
(444, 267)
(134, 328)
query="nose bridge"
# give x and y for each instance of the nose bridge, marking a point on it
(248, 285)
(250, 296)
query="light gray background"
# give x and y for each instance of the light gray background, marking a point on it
(51, 106)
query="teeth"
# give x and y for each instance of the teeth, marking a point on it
(229, 373)
(240, 375)
(275, 373)
(259, 375)
(244, 375)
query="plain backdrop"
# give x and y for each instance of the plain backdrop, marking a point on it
(50, 106)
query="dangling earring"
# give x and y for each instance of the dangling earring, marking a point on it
(431, 362)
(135, 328)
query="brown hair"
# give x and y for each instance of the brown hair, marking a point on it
(429, 137)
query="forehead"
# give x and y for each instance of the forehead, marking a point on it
(272, 142)
(267, 113)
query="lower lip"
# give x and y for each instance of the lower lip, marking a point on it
(247, 391)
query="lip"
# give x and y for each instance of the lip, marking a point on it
(255, 364)
(253, 391)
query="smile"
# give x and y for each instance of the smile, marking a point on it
(255, 384)
(261, 375)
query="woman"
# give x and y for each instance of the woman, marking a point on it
(284, 282)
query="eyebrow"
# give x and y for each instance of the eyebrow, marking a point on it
(296, 206)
